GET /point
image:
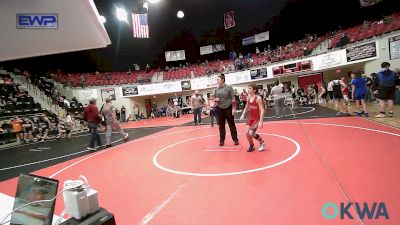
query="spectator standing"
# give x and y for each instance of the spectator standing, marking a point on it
(196, 103)
(337, 87)
(243, 98)
(323, 95)
(330, 91)
(344, 40)
(91, 115)
(213, 109)
(385, 87)
(276, 93)
(109, 113)
(136, 112)
(359, 92)
(123, 114)
(368, 83)
(118, 114)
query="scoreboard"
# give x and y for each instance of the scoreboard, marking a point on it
(292, 68)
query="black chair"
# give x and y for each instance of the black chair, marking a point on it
(26, 111)
(8, 113)
(31, 100)
(36, 110)
(20, 105)
(10, 105)
(28, 105)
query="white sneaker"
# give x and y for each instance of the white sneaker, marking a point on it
(126, 136)
(262, 147)
(380, 115)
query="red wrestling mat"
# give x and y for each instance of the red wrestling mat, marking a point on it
(182, 176)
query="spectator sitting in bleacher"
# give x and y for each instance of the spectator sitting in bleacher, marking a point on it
(16, 124)
(108, 76)
(82, 81)
(64, 130)
(54, 96)
(11, 98)
(344, 40)
(66, 102)
(28, 127)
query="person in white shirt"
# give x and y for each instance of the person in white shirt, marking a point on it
(176, 106)
(70, 122)
(66, 103)
(276, 93)
(330, 91)
(213, 109)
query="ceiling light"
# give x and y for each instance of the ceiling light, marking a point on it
(121, 14)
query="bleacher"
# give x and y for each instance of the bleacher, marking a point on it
(15, 100)
(103, 79)
(368, 30)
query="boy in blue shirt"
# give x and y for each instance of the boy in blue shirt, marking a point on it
(385, 87)
(359, 92)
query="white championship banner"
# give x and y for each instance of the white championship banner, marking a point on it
(108, 93)
(238, 77)
(329, 60)
(159, 88)
(204, 50)
(204, 82)
(86, 95)
(264, 36)
(175, 55)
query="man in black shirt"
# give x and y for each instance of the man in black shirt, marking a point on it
(123, 114)
(368, 82)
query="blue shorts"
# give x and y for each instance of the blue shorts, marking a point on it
(360, 96)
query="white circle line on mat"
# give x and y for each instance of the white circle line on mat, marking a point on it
(158, 165)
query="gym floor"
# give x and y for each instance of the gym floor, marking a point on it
(172, 172)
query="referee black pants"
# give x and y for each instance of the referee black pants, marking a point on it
(226, 114)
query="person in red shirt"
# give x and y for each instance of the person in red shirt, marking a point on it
(255, 120)
(345, 91)
(243, 98)
(92, 116)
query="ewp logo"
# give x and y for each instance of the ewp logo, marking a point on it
(376, 211)
(37, 21)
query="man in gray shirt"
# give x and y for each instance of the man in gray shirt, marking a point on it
(110, 117)
(279, 100)
(197, 103)
(226, 105)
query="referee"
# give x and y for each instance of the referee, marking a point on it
(226, 104)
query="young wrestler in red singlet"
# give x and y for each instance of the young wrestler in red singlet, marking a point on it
(255, 120)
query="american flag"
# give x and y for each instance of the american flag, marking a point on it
(140, 26)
